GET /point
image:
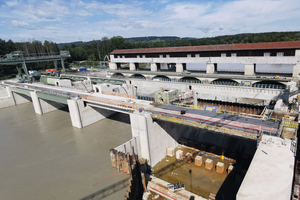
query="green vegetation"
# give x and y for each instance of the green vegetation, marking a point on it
(96, 50)
(29, 48)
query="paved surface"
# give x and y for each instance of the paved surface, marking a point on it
(215, 118)
(270, 174)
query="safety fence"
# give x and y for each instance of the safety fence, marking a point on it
(290, 124)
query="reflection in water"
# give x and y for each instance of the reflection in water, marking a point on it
(45, 157)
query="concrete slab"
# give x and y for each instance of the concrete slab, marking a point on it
(270, 174)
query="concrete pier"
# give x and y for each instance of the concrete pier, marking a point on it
(10, 98)
(154, 139)
(82, 116)
(42, 106)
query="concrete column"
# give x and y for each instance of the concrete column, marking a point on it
(7, 99)
(74, 114)
(82, 116)
(153, 67)
(249, 70)
(154, 139)
(179, 67)
(139, 128)
(112, 66)
(132, 66)
(36, 103)
(296, 70)
(297, 53)
(195, 96)
(210, 68)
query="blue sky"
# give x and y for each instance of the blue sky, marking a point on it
(85, 20)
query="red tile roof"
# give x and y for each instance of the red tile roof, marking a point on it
(222, 47)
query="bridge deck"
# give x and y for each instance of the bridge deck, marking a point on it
(217, 119)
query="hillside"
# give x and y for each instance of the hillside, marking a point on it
(225, 39)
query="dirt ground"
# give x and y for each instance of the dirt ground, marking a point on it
(200, 181)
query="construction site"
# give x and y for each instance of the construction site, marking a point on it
(190, 139)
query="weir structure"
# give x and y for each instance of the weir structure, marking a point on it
(206, 63)
(154, 137)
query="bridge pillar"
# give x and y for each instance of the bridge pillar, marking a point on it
(112, 66)
(296, 71)
(249, 70)
(82, 116)
(154, 140)
(55, 64)
(210, 68)
(297, 53)
(132, 66)
(153, 67)
(25, 69)
(179, 67)
(62, 64)
(7, 100)
(42, 106)
(195, 96)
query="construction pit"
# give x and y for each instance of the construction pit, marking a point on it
(203, 177)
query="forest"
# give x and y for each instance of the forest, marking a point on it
(96, 50)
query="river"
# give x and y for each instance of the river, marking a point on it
(45, 157)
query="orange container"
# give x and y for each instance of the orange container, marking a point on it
(50, 70)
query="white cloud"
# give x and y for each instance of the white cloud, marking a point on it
(90, 19)
(11, 3)
(17, 23)
(123, 10)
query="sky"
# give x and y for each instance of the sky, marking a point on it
(85, 20)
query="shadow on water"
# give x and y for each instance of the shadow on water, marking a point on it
(107, 191)
(120, 117)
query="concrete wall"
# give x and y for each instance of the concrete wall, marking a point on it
(123, 89)
(145, 88)
(241, 60)
(154, 139)
(208, 91)
(82, 116)
(20, 98)
(9, 98)
(6, 98)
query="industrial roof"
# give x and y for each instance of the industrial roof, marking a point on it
(222, 47)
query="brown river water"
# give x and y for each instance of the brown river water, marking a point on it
(45, 157)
